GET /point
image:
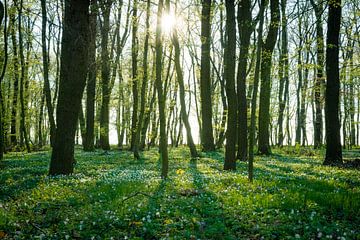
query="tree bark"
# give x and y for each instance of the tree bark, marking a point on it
(74, 64)
(333, 142)
(45, 59)
(255, 91)
(88, 143)
(207, 138)
(143, 85)
(265, 89)
(229, 70)
(184, 115)
(134, 63)
(318, 8)
(161, 99)
(245, 29)
(105, 6)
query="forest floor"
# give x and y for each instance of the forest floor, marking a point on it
(113, 196)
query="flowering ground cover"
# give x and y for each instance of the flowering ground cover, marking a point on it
(113, 196)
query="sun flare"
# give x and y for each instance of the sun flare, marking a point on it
(168, 23)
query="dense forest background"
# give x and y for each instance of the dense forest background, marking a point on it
(234, 72)
(143, 119)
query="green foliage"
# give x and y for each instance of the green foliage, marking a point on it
(113, 196)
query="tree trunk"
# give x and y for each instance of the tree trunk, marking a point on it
(229, 70)
(135, 90)
(245, 30)
(283, 73)
(333, 143)
(14, 107)
(105, 75)
(3, 15)
(143, 85)
(161, 99)
(184, 115)
(22, 80)
(265, 89)
(207, 138)
(74, 64)
(91, 81)
(318, 8)
(255, 91)
(45, 58)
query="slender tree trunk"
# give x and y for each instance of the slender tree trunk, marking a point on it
(3, 16)
(266, 63)
(22, 79)
(333, 143)
(14, 107)
(318, 8)
(91, 81)
(143, 85)
(74, 64)
(184, 115)
(229, 69)
(255, 91)
(207, 138)
(245, 30)
(105, 75)
(283, 72)
(45, 58)
(134, 63)
(161, 99)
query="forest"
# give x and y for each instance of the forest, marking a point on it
(192, 119)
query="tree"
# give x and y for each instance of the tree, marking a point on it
(45, 58)
(318, 8)
(245, 29)
(143, 85)
(3, 15)
(207, 138)
(180, 78)
(160, 92)
(105, 6)
(91, 81)
(73, 69)
(332, 98)
(135, 90)
(265, 88)
(22, 79)
(283, 73)
(255, 90)
(229, 70)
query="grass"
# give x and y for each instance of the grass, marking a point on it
(113, 196)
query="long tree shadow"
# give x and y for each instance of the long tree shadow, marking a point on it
(208, 207)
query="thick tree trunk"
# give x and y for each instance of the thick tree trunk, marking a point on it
(207, 138)
(229, 70)
(265, 89)
(333, 143)
(74, 64)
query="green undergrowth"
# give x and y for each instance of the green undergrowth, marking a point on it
(113, 196)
